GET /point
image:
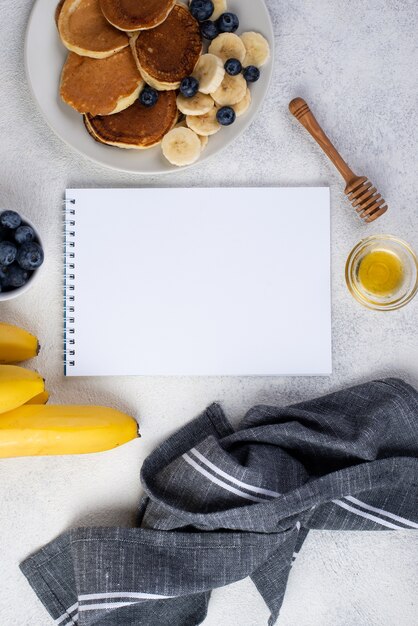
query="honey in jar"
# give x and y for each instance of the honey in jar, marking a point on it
(381, 272)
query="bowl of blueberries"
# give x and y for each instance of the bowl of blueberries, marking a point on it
(21, 254)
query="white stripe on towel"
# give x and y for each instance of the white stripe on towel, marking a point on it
(67, 614)
(217, 470)
(219, 482)
(121, 594)
(398, 518)
(105, 605)
(373, 518)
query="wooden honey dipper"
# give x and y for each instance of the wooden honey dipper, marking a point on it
(362, 195)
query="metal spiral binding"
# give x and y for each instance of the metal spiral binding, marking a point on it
(69, 283)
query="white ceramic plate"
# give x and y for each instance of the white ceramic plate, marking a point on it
(44, 58)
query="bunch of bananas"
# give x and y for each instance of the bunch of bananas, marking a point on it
(29, 427)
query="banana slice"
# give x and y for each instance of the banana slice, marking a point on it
(231, 90)
(228, 46)
(219, 8)
(257, 49)
(197, 105)
(204, 124)
(203, 138)
(209, 71)
(181, 146)
(243, 105)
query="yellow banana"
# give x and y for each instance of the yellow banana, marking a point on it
(16, 344)
(17, 386)
(47, 429)
(41, 398)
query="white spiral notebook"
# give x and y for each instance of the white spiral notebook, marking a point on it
(197, 282)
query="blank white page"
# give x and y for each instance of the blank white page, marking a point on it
(198, 282)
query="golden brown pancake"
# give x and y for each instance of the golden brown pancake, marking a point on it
(58, 11)
(100, 86)
(138, 126)
(134, 15)
(169, 52)
(84, 30)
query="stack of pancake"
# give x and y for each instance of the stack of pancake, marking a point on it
(115, 47)
(118, 47)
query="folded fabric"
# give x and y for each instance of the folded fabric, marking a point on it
(222, 505)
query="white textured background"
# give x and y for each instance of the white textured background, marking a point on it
(355, 62)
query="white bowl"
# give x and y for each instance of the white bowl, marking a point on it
(14, 293)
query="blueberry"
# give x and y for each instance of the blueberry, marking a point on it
(148, 96)
(3, 277)
(8, 252)
(24, 233)
(201, 9)
(30, 256)
(15, 276)
(209, 30)
(225, 116)
(189, 86)
(228, 23)
(233, 67)
(10, 219)
(251, 74)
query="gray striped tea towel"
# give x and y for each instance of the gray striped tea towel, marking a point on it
(222, 505)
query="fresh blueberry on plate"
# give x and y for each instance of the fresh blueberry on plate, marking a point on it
(148, 96)
(8, 252)
(251, 74)
(10, 219)
(189, 86)
(225, 116)
(233, 67)
(201, 9)
(209, 30)
(24, 233)
(15, 276)
(30, 256)
(228, 23)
